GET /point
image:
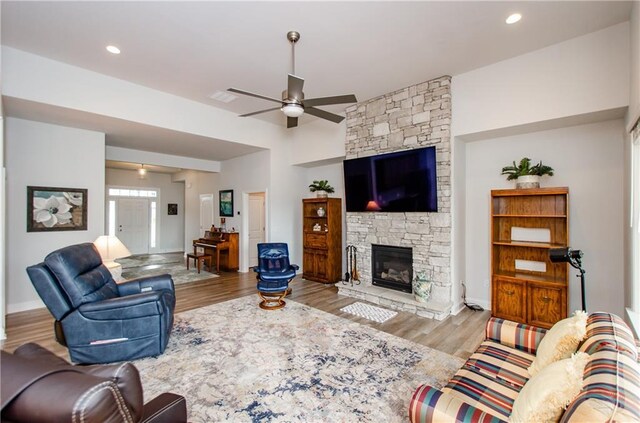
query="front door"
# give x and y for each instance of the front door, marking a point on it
(256, 225)
(133, 224)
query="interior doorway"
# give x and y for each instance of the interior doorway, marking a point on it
(256, 227)
(206, 212)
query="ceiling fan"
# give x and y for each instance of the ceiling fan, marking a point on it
(293, 104)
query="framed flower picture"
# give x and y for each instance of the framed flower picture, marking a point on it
(226, 203)
(56, 209)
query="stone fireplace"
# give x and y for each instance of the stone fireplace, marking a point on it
(391, 267)
(413, 117)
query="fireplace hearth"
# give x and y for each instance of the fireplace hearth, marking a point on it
(392, 267)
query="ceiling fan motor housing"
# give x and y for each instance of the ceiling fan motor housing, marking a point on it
(287, 99)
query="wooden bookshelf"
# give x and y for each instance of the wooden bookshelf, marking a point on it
(322, 240)
(534, 296)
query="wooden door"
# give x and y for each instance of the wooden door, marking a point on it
(132, 219)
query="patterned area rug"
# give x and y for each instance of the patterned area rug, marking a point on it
(370, 312)
(236, 362)
(156, 264)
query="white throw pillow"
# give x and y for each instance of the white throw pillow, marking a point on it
(544, 397)
(560, 341)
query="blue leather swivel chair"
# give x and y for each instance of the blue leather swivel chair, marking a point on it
(98, 320)
(274, 274)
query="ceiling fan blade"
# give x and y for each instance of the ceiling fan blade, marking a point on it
(336, 99)
(324, 115)
(294, 87)
(235, 90)
(259, 111)
(292, 122)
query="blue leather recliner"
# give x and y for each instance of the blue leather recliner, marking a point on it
(98, 320)
(274, 274)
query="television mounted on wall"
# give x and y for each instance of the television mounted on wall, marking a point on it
(403, 181)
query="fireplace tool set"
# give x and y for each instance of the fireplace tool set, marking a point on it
(351, 274)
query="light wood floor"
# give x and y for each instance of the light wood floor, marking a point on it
(457, 335)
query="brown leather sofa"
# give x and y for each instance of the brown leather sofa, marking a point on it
(38, 386)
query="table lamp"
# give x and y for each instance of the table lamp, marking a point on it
(110, 249)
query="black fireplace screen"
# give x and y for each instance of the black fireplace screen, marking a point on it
(392, 267)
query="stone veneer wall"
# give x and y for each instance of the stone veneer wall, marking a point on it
(413, 117)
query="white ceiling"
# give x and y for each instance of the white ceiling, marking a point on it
(193, 49)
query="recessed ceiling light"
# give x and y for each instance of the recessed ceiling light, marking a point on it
(223, 96)
(113, 49)
(513, 18)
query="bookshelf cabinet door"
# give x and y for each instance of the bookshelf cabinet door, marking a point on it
(509, 299)
(546, 304)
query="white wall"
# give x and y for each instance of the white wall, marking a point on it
(583, 75)
(195, 183)
(322, 140)
(284, 201)
(47, 155)
(458, 216)
(170, 228)
(634, 83)
(587, 159)
(244, 175)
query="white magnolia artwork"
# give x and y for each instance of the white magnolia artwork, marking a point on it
(56, 209)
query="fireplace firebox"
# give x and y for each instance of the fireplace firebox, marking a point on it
(392, 267)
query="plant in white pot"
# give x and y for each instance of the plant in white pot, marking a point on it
(526, 176)
(321, 188)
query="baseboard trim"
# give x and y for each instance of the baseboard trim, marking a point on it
(27, 305)
(457, 308)
(482, 303)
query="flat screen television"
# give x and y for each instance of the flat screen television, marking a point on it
(403, 181)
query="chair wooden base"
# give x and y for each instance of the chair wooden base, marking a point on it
(269, 298)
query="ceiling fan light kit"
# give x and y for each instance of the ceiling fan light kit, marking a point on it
(293, 104)
(292, 110)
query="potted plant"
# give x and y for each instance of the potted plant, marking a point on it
(321, 188)
(526, 176)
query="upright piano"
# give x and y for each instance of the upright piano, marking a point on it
(220, 244)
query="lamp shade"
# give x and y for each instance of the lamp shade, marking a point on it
(111, 248)
(373, 206)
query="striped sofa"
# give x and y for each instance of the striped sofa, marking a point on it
(484, 389)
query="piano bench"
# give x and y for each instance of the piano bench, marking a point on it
(198, 259)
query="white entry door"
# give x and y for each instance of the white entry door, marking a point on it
(256, 225)
(133, 224)
(206, 212)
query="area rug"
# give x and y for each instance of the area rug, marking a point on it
(369, 312)
(236, 362)
(156, 264)
(141, 260)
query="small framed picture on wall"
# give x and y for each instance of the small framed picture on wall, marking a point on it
(172, 209)
(226, 203)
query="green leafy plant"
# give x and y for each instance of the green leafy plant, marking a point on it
(524, 168)
(321, 186)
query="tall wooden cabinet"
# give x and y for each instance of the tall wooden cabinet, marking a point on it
(322, 239)
(525, 285)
